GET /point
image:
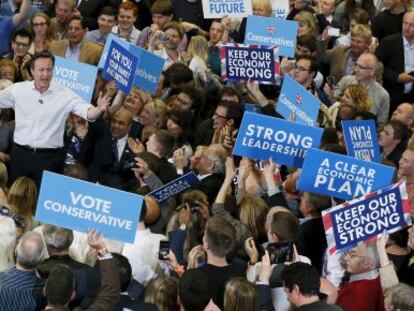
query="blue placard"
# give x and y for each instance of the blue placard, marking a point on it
(120, 66)
(273, 32)
(261, 137)
(341, 176)
(111, 37)
(361, 219)
(80, 205)
(297, 104)
(77, 76)
(251, 107)
(149, 66)
(149, 69)
(242, 63)
(175, 187)
(361, 139)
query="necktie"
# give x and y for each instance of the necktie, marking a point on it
(114, 147)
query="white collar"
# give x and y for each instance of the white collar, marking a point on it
(201, 177)
(407, 44)
(369, 275)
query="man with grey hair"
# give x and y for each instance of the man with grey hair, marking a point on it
(361, 263)
(364, 76)
(211, 168)
(400, 298)
(58, 241)
(21, 289)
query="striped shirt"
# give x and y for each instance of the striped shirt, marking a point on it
(21, 290)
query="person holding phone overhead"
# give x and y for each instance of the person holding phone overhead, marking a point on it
(282, 231)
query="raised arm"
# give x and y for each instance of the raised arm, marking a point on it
(23, 14)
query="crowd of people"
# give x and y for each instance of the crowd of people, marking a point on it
(245, 237)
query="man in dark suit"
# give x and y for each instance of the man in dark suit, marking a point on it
(312, 240)
(161, 144)
(132, 292)
(112, 157)
(58, 241)
(59, 289)
(211, 168)
(395, 52)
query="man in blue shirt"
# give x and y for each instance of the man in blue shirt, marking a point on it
(9, 23)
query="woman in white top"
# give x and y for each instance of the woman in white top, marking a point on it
(197, 54)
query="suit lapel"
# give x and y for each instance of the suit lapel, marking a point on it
(83, 52)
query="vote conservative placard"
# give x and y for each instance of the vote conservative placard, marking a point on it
(80, 205)
(243, 62)
(361, 139)
(175, 187)
(231, 8)
(342, 176)
(351, 223)
(297, 104)
(120, 66)
(272, 32)
(77, 76)
(261, 137)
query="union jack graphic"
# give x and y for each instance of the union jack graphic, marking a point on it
(298, 99)
(271, 29)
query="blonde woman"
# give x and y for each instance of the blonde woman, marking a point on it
(240, 295)
(7, 241)
(307, 24)
(152, 117)
(197, 54)
(40, 29)
(163, 292)
(354, 100)
(22, 199)
(253, 211)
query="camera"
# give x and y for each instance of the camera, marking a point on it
(280, 252)
(164, 250)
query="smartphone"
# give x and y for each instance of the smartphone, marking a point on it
(280, 252)
(164, 249)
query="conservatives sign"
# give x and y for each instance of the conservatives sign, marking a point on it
(296, 104)
(77, 76)
(80, 205)
(273, 32)
(341, 176)
(261, 137)
(356, 221)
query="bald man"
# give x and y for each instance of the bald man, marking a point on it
(395, 52)
(365, 76)
(112, 158)
(405, 114)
